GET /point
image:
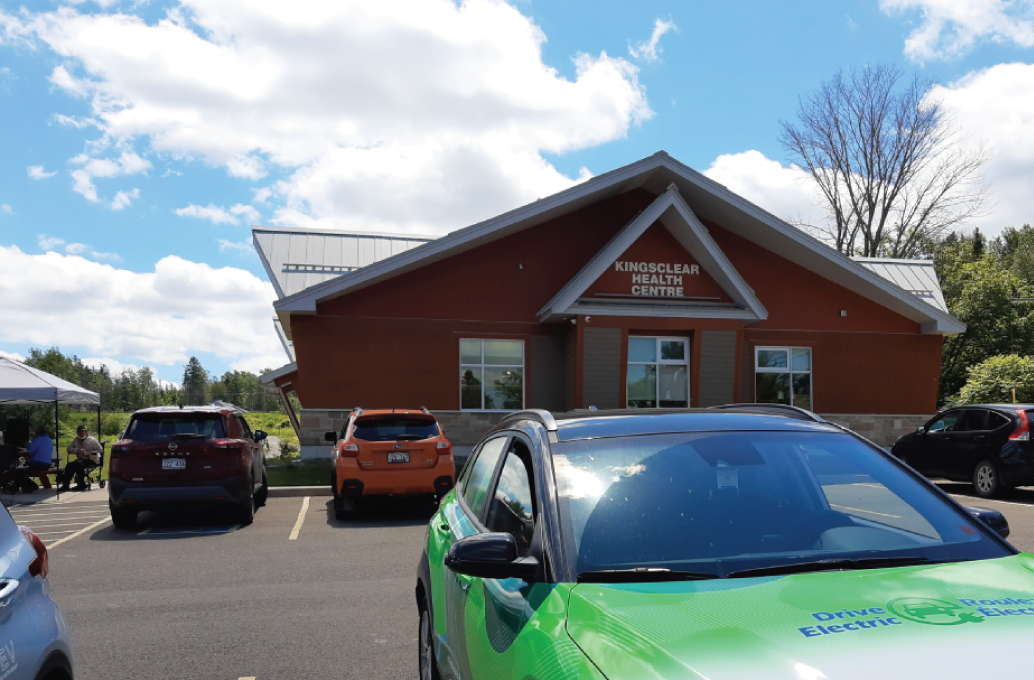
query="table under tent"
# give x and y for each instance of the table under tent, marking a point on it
(25, 385)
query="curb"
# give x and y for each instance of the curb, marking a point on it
(299, 491)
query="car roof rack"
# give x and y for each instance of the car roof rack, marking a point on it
(541, 415)
(781, 409)
(358, 410)
(424, 409)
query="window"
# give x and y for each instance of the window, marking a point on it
(945, 423)
(658, 373)
(491, 374)
(157, 427)
(996, 420)
(782, 375)
(394, 428)
(512, 508)
(475, 486)
(973, 420)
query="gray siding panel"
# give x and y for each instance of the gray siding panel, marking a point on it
(717, 367)
(601, 368)
(547, 372)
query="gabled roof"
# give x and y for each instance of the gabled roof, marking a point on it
(916, 276)
(709, 200)
(673, 213)
(299, 258)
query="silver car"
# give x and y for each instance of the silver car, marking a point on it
(33, 635)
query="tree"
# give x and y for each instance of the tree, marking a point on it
(891, 167)
(995, 379)
(195, 382)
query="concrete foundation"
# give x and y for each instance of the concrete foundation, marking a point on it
(465, 428)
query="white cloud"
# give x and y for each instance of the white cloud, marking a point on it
(786, 192)
(49, 242)
(124, 198)
(117, 368)
(37, 172)
(409, 115)
(155, 318)
(12, 355)
(76, 248)
(997, 105)
(210, 212)
(6, 209)
(648, 51)
(248, 212)
(951, 28)
(244, 249)
(128, 163)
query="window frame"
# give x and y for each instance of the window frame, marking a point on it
(788, 370)
(483, 365)
(660, 362)
(530, 471)
(468, 468)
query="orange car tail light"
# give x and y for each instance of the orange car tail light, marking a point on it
(349, 449)
(444, 447)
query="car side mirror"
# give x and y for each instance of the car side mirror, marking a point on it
(330, 436)
(260, 435)
(920, 430)
(993, 519)
(490, 555)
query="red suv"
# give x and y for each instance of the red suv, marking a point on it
(186, 456)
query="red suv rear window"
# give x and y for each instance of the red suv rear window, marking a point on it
(160, 427)
(393, 428)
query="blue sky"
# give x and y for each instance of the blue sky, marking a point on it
(142, 139)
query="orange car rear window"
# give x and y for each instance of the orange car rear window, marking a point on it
(392, 428)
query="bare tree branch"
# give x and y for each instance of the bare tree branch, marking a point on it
(889, 163)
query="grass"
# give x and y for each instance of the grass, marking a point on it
(312, 472)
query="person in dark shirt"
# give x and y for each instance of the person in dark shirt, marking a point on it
(41, 456)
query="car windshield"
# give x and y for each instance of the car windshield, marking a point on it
(720, 502)
(391, 428)
(160, 427)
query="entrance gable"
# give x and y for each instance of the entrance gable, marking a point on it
(662, 263)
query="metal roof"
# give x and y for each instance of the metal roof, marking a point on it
(297, 258)
(918, 277)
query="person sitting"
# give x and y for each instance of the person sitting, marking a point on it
(41, 455)
(87, 456)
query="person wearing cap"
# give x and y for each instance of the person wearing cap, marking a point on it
(87, 456)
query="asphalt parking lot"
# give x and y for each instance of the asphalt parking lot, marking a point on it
(296, 595)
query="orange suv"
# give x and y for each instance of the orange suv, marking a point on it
(389, 452)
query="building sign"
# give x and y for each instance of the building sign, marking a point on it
(657, 279)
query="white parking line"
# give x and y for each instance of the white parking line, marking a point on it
(60, 514)
(45, 525)
(961, 497)
(78, 533)
(301, 520)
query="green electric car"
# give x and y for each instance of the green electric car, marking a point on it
(743, 542)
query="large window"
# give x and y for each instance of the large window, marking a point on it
(658, 372)
(782, 375)
(491, 374)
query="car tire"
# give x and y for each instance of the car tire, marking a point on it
(333, 484)
(122, 518)
(342, 511)
(263, 493)
(986, 480)
(245, 511)
(427, 664)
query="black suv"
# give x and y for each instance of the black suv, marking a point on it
(174, 457)
(988, 445)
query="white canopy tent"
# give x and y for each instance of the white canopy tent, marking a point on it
(21, 384)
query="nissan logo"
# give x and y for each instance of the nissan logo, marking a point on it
(172, 446)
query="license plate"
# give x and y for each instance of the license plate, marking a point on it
(174, 464)
(398, 456)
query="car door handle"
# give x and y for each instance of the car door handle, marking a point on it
(7, 588)
(976, 439)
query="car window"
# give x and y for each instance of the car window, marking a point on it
(475, 490)
(149, 427)
(945, 422)
(245, 429)
(996, 420)
(974, 420)
(392, 428)
(512, 508)
(719, 502)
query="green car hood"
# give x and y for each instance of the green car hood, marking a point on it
(964, 620)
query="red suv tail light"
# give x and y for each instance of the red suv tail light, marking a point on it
(350, 450)
(444, 447)
(40, 566)
(226, 444)
(1022, 432)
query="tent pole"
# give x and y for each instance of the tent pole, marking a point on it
(57, 448)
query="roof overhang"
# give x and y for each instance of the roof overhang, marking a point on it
(282, 372)
(709, 200)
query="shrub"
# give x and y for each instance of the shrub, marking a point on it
(288, 452)
(993, 380)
